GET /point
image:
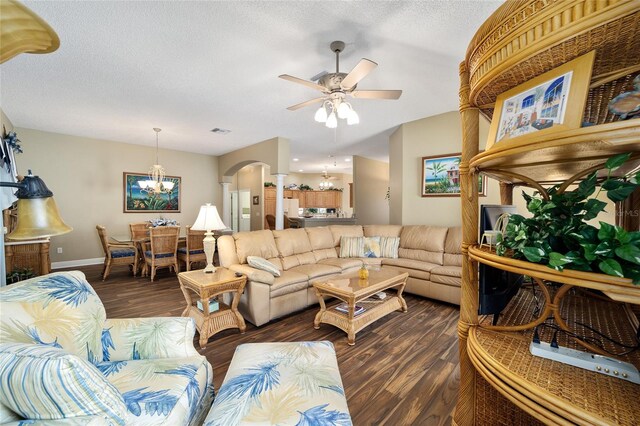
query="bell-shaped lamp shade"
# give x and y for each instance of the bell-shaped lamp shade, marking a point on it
(332, 121)
(321, 115)
(38, 218)
(343, 110)
(353, 118)
(168, 185)
(208, 220)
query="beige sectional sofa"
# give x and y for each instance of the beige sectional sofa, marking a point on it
(431, 255)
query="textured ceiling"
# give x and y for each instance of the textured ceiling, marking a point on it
(125, 67)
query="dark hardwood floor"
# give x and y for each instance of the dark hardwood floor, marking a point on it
(403, 369)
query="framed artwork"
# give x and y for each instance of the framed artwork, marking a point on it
(138, 200)
(256, 200)
(441, 176)
(551, 102)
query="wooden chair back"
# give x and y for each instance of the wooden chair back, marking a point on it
(102, 233)
(139, 230)
(164, 239)
(271, 221)
(195, 239)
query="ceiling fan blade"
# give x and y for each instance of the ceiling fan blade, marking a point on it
(358, 72)
(376, 94)
(303, 82)
(304, 104)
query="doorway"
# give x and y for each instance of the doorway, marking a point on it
(241, 210)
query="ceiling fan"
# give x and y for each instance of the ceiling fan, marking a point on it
(337, 86)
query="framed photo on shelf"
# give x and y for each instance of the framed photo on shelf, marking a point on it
(139, 200)
(551, 102)
(441, 176)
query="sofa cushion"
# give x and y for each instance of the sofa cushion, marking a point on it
(255, 243)
(339, 231)
(317, 270)
(382, 230)
(372, 247)
(322, 254)
(446, 279)
(348, 263)
(289, 383)
(320, 237)
(449, 271)
(417, 265)
(389, 247)
(263, 265)
(289, 282)
(292, 241)
(351, 247)
(453, 247)
(44, 382)
(424, 243)
(166, 391)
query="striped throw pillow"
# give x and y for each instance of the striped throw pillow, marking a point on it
(352, 247)
(263, 264)
(44, 383)
(389, 247)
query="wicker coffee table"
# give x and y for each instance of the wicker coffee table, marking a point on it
(353, 291)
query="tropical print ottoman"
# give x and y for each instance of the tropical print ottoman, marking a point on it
(290, 383)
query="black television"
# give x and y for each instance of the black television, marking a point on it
(496, 286)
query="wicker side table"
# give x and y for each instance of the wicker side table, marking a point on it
(206, 287)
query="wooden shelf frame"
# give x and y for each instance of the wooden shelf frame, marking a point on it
(521, 40)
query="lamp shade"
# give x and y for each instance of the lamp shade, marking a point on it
(38, 218)
(208, 219)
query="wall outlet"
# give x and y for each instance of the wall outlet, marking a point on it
(59, 250)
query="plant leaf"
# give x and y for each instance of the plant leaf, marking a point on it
(622, 235)
(629, 252)
(533, 254)
(617, 161)
(606, 232)
(621, 193)
(557, 260)
(611, 267)
(593, 207)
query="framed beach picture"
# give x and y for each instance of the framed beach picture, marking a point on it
(551, 102)
(139, 200)
(441, 176)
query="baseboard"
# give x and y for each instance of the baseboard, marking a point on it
(75, 263)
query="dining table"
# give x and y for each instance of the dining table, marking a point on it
(140, 242)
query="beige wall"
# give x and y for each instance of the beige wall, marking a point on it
(371, 179)
(437, 135)
(85, 176)
(274, 152)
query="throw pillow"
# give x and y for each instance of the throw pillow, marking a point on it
(389, 247)
(44, 383)
(263, 265)
(352, 247)
(372, 247)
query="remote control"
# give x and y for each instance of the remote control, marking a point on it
(238, 274)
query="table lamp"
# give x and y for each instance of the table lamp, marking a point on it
(208, 220)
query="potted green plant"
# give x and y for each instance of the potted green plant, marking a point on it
(558, 235)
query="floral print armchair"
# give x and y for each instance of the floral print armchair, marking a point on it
(56, 325)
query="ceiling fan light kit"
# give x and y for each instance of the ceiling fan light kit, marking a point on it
(336, 87)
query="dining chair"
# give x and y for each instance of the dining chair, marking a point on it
(116, 253)
(194, 250)
(160, 251)
(271, 221)
(139, 233)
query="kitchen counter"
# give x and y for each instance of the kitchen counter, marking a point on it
(306, 222)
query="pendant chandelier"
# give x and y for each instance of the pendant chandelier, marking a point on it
(156, 183)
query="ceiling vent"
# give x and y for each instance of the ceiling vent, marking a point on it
(220, 131)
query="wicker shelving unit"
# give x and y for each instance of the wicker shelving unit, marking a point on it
(500, 381)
